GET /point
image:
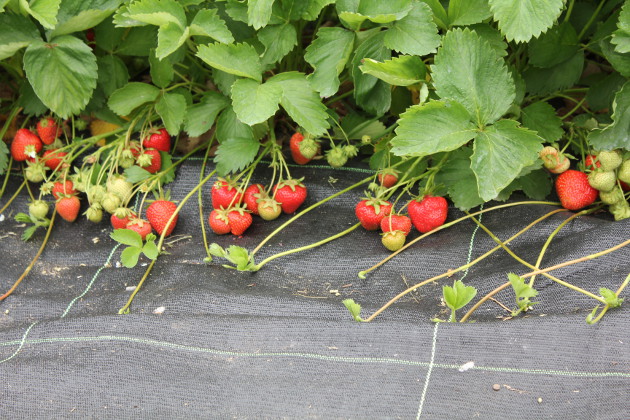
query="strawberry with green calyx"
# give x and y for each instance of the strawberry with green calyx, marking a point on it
(428, 212)
(239, 220)
(553, 160)
(150, 160)
(371, 211)
(53, 158)
(121, 217)
(350, 150)
(290, 193)
(620, 210)
(68, 207)
(393, 240)
(141, 226)
(396, 222)
(602, 180)
(159, 212)
(574, 190)
(159, 140)
(303, 149)
(591, 163)
(309, 147)
(118, 185)
(609, 160)
(48, 130)
(63, 188)
(25, 145)
(38, 209)
(225, 194)
(96, 193)
(366, 139)
(218, 221)
(336, 157)
(611, 197)
(35, 172)
(94, 213)
(388, 177)
(127, 158)
(252, 194)
(624, 172)
(110, 202)
(269, 209)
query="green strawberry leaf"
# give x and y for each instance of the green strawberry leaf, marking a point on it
(357, 126)
(415, 34)
(201, 116)
(602, 93)
(278, 40)
(310, 9)
(610, 297)
(433, 127)
(536, 185)
(127, 237)
(239, 59)
(229, 126)
(459, 295)
(170, 37)
(468, 70)
(79, 15)
(172, 108)
(521, 289)
(557, 45)
(561, 76)
(238, 256)
(541, 117)
(354, 308)
(131, 96)
(468, 12)
(73, 64)
(259, 12)
(29, 101)
(492, 36)
(440, 16)
(44, 11)
(135, 174)
(167, 162)
(522, 20)
(459, 180)
(620, 62)
(328, 55)
(112, 73)
(162, 71)
(501, 151)
(4, 157)
(29, 232)
(23, 218)
(353, 13)
(621, 37)
(404, 70)
(157, 12)
(266, 98)
(16, 32)
(234, 154)
(617, 134)
(370, 93)
(216, 250)
(150, 249)
(129, 256)
(301, 102)
(208, 23)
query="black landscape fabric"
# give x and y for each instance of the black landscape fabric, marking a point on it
(279, 343)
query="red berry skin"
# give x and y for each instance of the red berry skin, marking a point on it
(590, 162)
(139, 225)
(68, 208)
(387, 180)
(218, 222)
(429, 213)
(396, 222)
(156, 161)
(371, 212)
(52, 158)
(66, 188)
(574, 190)
(290, 194)
(239, 221)
(158, 141)
(23, 138)
(48, 130)
(251, 195)
(158, 214)
(118, 222)
(294, 145)
(224, 195)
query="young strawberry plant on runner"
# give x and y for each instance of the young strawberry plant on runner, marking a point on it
(461, 101)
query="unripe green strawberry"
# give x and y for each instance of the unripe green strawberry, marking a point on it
(269, 209)
(94, 213)
(609, 160)
(127, 160)
(554, 161)
(624, 172)
(336, 157)
(309, 147)
(393, 240)
(110, 202)
(620, 210)
(38, 209)
(365, 139)
(96, 193)
(35, 172)
(602, 180)
(118, 185)
(350, 150)
(611, 197)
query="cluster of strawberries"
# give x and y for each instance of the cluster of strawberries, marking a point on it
(233, 207)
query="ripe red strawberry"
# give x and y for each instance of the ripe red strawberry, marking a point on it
(429, 213)
(393, 240)
(52, 158)
(574, 190)
(139, 225)
(396, 222)
(121, 217)
(65, 188)
(290, 193)
(371, 211)
(134, 148)
(388, 178)
(294, 145)
(218, 221)
(225, 194)
(158, 214)
(68, 207)
(48, 130)
(252, 194)
(159, 140)
(239, 220)
(25, 144)
(591, 162)
(150, 160)
(269, 209)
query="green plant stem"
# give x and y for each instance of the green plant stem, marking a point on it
(9, 120)
(541, 271)
(339, 97)
(6, 176)
(125, 308)
(306, 247)
(200, 201)
(592, 19)
(34, 260)
(567, 15)
(575, 108)
(607, 307)
(13, 197)
(446, 225)
(460, 268)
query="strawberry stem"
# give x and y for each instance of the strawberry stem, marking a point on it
(8, 203)
(607, 306)
(6, 176)
(32, 264)
(200, 200)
